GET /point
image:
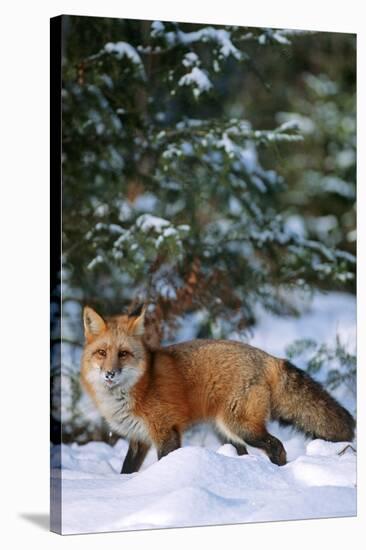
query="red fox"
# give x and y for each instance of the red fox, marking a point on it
(150, 396)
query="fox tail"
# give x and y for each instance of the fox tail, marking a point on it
(299, 400)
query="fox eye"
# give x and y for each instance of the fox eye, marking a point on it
(122, 354)
(101, 352)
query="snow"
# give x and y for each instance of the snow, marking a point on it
(190, 59)
(123, 49)
(277, 35)
(146, 222)
(346, 158)
(146, 202)
(333, 184)
(212, 487)
(205, 482)
(198, 79)
(321, 84)
(304, 123)
(157, 28)
(95, 261)
(295, 225)
(226, 143)
(169, 232)
(221, 37)
(325, 317)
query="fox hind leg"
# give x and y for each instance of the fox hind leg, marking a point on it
(247, 423)
(261, 439)
(269, 443)
(239, 447)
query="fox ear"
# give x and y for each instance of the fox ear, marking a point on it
(94, 324)
(137, 320)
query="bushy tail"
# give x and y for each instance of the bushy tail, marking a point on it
(298, 399)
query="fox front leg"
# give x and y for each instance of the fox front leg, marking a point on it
(135, 456)
(170, 442)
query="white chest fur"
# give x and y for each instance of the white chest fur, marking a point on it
(115, 406)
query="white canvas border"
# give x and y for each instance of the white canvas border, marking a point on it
(24, 261)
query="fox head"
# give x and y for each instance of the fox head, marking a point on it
(114, 352)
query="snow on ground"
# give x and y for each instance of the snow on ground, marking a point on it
(328, 315)
(205, 482)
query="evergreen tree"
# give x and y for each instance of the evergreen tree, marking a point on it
(172, 193)
(165, 197)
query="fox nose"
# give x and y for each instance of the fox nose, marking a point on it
(109, 374)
